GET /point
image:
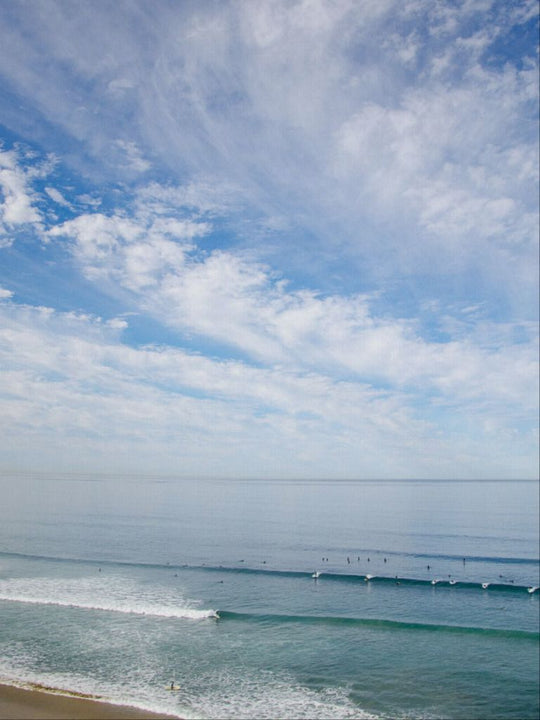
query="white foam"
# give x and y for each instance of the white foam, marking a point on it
(266, 696)
(73, 685)
(241, 693)
(229, 696)
(111, 595)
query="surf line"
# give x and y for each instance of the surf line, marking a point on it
(375, 623)
(317, 574)
(333, 576)
(446, 582)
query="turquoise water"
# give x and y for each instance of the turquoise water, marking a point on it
(118, 587)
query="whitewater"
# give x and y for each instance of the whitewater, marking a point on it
(424, 604)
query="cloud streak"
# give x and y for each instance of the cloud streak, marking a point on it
(311, 110)
(72, 389)
(241, 304)
(303, 235)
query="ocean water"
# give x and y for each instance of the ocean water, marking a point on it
(118, 587)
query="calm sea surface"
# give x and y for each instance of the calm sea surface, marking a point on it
(424, 606)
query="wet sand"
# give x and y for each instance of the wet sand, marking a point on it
(19, 704)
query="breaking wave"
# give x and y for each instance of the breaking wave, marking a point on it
(115, 595)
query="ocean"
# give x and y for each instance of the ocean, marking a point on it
(424, 605)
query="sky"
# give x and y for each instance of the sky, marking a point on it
(272, 239)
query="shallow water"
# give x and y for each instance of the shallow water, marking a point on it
(112, 585)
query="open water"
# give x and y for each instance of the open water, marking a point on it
(424, 607)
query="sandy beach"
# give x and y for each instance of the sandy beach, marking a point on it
(19, 704)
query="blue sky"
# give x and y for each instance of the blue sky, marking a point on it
(270, 239)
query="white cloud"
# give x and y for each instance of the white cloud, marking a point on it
(57, 197)
(86, 199)
(204, 196)
(136, 253)
(239, 303)
(382, 146)
(17, 198)
(69, 385)
(382, 129)
(442, 159)
(130, 156)
(117, 323)
(118, 86)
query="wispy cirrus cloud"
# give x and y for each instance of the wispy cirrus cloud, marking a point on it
(241, 304)
(73, 391)
(310, 228)
(311, 110)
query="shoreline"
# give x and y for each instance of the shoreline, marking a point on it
(18, 703)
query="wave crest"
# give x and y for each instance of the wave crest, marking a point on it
(118, 596)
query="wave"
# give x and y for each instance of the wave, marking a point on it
(20, 676)
(330, 575)
(87, 594)
(185, 613)
(232, 693)
(379, 579)
(448, 583)
(375, 623)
